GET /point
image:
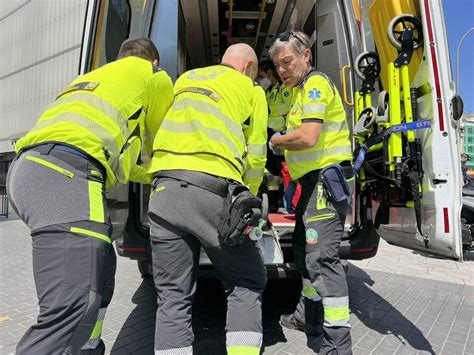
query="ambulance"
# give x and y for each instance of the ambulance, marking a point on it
(388, 58)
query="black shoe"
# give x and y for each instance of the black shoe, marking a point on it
(289, 321)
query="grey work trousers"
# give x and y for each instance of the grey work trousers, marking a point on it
(60, 197)
(183, 218)
(318, 232)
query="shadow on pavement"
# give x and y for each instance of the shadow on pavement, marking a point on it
(379, 315)
(136, 336)
(137, 333)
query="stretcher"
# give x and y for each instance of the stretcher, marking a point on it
(381, 13)
(388, 154)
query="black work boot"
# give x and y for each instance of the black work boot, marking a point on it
(314, 319)
(289, 321)
(336, 341)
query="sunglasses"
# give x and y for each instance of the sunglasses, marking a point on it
(285, 37)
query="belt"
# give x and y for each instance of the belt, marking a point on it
(214, 184)
(312, 176)
(52, 148)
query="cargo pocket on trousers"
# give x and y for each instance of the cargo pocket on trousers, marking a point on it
(78, 255)
(59, 169)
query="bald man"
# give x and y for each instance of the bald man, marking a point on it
(211, 143)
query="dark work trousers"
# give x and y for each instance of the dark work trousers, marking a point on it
(183, 218)
(318, 232)
(274, 187)
(60, 197)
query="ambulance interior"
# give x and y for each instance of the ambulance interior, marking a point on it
(199, 34)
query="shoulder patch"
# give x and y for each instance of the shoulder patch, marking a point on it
(314, 94)
(87, 86)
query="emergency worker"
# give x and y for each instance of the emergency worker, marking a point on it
(278, 99)
(212, 140)
(317, 149)
(87, 141)
(278, 96)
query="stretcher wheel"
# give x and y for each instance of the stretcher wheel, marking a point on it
(399, 24)
(365, 122)
(382, 103)
(365, 59)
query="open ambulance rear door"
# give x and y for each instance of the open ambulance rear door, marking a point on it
(440, 229)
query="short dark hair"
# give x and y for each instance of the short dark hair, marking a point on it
(139, 47)
(267, 64)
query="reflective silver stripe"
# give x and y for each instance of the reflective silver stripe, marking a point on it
(188, 350)
(336, 323)
(313, 155)
(314, 108)
(253, 174)
(96, 102)
(208, 108)
(336, 301)
(331, 126)
(101, 315)
(257, 149)
(277, 122)
(196, 125)
(91, 344)
(244, 339)
(72, 117)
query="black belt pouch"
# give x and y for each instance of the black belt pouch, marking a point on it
(241, 210)
(335, 183)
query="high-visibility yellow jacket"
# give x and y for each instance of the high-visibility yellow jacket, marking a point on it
(316, 99)
(107, 113)
(279, 101)
(217, 125)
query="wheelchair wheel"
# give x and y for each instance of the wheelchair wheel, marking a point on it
(363, 61)
(399, 24)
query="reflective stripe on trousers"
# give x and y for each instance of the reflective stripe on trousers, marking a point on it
(243, 343)
(308, 291)
(94, 339)
(188, 350)
(175, 255)
(336, 311)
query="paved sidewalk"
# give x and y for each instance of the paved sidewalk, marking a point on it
(402, 302)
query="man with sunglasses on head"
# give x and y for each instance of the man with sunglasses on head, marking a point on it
(318, 153)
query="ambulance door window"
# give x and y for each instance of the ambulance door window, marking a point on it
(118, 20)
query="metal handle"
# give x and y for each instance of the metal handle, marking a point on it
(344, 86)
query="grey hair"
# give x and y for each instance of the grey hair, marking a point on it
(295, 41)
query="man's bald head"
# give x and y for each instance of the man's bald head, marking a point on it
(243, 58)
